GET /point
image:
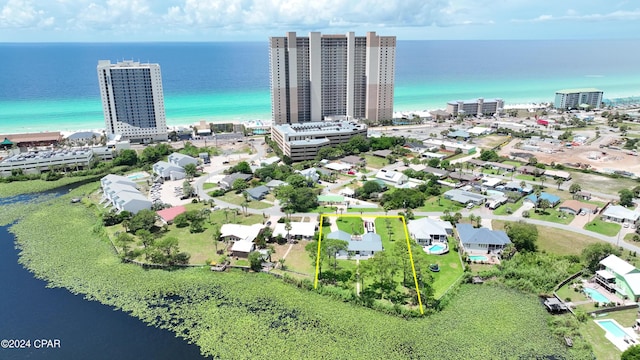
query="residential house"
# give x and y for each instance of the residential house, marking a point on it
(426, 231)
(530, 170)
(392, 177)
(481, 240)
(123, 194)
(439, 173)
(274, 184)
(311, 174)
(331, 199)
(167, 215)
(299, 230)
(477, 162)
(258, 192)
(558, 174)
(462, 177)
(382, 153)
(353, 160)
(517, 186)
(582, 195)
(621, 214)
(269, 161)
(340, 167)
(168, 171)
(227, 181)
(619, 277)
(361, 245)
(553, 199)
(501, 166)
(459, 134)
(181, 159)
(464, 197)
(575, 207)
(243, 237)
(242, 248)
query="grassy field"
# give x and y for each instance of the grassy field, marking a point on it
(237, 199)
(450, 269)
(298, 259)
(434, 205)
(397, 231)
(556, 241)
(502, 209)
(603, 227)
(352, 225)
(552, 215)
(375, 161)
(603, 349)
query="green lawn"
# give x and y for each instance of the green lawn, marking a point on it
(434, 205)
(397, 231)
(511, 162)
(552, 215)
(603, 349)
(450, 269)
(603, 227)
(324, 210)
(375, 161)
(502, 209)
(352, 225)
(237, 199)
(357, 210)
(207, 186)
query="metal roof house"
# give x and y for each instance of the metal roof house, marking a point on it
(481, 240)
(258, 192)
(227, 181)
(619, 277)
(552, 199)
(181, 159)
(464, 197)
(123, 195)
(425, 231)
(167, 171)
(363, 246)
(620, 214)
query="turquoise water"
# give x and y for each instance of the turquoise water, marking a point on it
(478, 258)
(436, 248)
(613, 328)
(220, 82)
(596, 295)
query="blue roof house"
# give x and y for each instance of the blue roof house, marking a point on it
(553, 199)
(481, 240)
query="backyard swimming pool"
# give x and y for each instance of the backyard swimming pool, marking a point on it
(436, 249)
(595, 295)
(478, 258)
(137, 176)
(612, 327)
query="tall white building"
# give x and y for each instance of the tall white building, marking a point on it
(132, 100)
(577, 98)
(335, 76)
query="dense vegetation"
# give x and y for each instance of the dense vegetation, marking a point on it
(236, 315)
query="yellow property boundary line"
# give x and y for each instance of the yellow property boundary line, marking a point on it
(406, 233)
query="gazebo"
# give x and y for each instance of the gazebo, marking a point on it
(6, 143)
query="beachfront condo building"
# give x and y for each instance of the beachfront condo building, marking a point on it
(475, 107)
(302, 141)
(578, 98)
(132, 100)
(331, 76)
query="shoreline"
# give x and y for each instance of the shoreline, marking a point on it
(238, 119)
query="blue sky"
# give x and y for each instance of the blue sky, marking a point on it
(235, 20)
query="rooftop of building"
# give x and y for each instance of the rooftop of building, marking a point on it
(313, 128)
(578, 90)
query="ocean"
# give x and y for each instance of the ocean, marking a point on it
(53, 86)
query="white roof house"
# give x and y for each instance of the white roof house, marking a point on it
(617, 265)
(620, 277)
(426, 230)
(181, 159)
(239, 232)
(168, 171)
(311, 174)
(123, 194)
(620, 214)
(392, 177)
(299, 230)
(338, 166)
(242, 247)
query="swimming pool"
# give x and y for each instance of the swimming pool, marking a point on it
(478, 258)
(436, 248)
(612, 327)
(136, 176)
(596, 295)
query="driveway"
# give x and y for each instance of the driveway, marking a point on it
(525, 207)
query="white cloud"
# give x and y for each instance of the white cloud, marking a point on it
(112, 15)
(22, 14)
(572, 15)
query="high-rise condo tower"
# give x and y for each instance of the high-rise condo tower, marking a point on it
(132, 100)
(341, 76)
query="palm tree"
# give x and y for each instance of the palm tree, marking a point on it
(559, 182)
(287, 227)
(215, 236)
(245, 205)
(281, 262)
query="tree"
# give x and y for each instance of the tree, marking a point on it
(297, 181)
(334, 247)
(123, 240)
(126, 157)
(544, 204)
(632, 353)
(241, 167)
(144, 219)
(533, 160)
(239, 185)
(287, 227)
(559, 182)
(312, 249)
(593, 253)
(522, 235)
(626, 197)
(187, 189)
(255, 261)
(146, 238)
(281, 261)
(190, 170)
(489, 155)
(574, 188)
